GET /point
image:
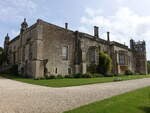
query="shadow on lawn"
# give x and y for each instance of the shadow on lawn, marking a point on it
(146, 109)
(2, 76)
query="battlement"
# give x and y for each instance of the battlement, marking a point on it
(139, 46)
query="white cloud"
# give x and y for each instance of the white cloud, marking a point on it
(14, 10)
(121, 1)
(123, 25)
(93, 12)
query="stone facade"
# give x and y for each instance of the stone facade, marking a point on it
(45, 49)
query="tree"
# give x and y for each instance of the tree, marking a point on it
(148, 66)
(1, 55)
(105, 64)
(1, 50)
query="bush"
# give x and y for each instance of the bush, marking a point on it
(78, 75)
(128, 72)
(87, 75)
(14, 70)
(105, 64)
(109, 75)
(41, 78)
(50, 77)
(97, 75)
(148, 66)
(68, 76)
(60, 77)
(117, 79)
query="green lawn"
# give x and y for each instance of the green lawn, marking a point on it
(72, 82)
(133, 102)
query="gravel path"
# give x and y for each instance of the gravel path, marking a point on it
(17, 97)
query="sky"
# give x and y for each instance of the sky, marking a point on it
(124, 19)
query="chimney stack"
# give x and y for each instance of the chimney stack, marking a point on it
(108, 36)
(66, 25)
(96, 31)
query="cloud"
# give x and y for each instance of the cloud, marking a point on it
(12, 13)
(123, 25)
(14, 10)
(120, 1)
(93, 12)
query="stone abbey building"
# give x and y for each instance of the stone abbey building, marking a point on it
(47, 49)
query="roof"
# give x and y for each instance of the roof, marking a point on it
(14, 39)
(56, 26)
(81, 33)
(94, 38)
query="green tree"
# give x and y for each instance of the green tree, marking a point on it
(105, 64)
(1, 55)
(1, 50)
(148, 66)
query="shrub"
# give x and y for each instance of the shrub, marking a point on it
(117, 79)
(41, 78)
(137, 74)
(1, 55)
(14, 70)
(90, 75)
(68, 76)
(3, 58)
(148, 66)
(60, 77)
(97, 75)
(78, 75)
(109, 75)
(128, 72)
(50, 77)
(105, 64)
(87, 75)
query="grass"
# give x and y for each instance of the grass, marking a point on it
(133, 102)
(72, 82)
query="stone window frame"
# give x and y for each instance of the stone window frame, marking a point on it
(123, 58)
(66, 56)
(69, 70)
(92, 54)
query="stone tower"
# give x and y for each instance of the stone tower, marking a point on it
(139, 54)
(6, 43)
(24, 26)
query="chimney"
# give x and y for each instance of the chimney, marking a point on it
(108, 36)
(66, 25)
(96, 31)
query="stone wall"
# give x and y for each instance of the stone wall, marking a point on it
(55, 38)
(121, 68)
(45, 49)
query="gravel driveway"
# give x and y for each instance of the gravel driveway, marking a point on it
(17, 97)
